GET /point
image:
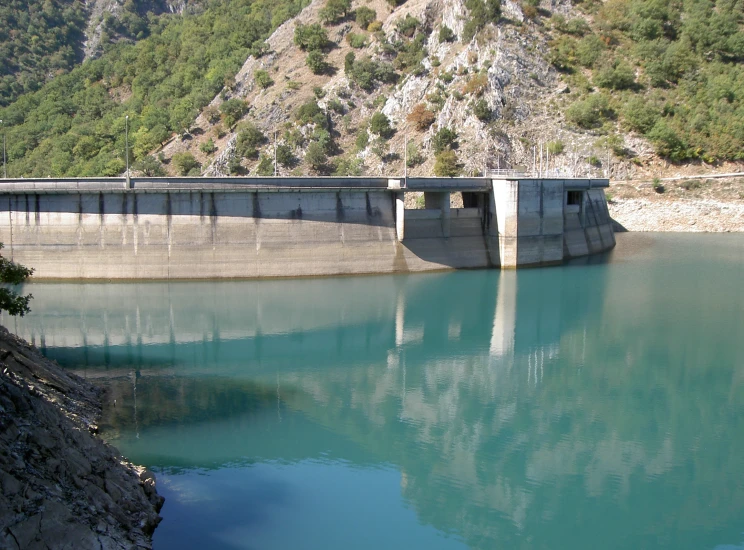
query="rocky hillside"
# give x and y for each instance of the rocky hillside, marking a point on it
(493, 92)
(62, 487)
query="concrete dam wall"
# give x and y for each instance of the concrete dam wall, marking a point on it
(181, 228)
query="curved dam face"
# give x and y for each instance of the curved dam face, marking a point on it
(193, 228)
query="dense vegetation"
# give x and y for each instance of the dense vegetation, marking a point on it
(38, 39)
(75, 124)
(668, 69)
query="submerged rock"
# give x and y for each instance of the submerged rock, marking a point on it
(63, 487)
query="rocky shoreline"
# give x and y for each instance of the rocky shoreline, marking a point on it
(692, 205)
(62, 486)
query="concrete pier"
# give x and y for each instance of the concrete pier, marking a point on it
(192, 228)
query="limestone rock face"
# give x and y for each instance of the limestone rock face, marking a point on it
(62, 487)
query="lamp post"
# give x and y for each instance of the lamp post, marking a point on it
(126, 139)
(5, 171)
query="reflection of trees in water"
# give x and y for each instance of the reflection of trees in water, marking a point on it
(493, 447)
(137, 404)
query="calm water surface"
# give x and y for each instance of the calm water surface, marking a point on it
(586, 406)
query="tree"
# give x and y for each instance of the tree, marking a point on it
(185, 162)
(310, 37)
(150, 167)
(334, 11)
(284, 155)
(444, 139)
(421, 117)
(446, 34)
(13, 274)
(265, 167)
(262, 78)
(249, 140)
(365, 16)
(446, 165)
(482, 111)
(316, 61)
(316, 156)
(233, 110)
(380, 124)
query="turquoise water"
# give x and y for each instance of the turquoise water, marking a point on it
(595, 405)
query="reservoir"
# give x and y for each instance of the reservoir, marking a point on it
(597, 404)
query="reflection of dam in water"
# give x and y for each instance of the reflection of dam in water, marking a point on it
(92, 325)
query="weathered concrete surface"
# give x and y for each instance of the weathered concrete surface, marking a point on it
(537, 226)
(241, 228)
(61, 486)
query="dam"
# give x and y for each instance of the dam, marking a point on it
(207, 228)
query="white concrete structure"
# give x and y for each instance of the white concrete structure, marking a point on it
(193, 228)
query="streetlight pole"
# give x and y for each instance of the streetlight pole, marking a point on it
(5, 171)
(126, 139)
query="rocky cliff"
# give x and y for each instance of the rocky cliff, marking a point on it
(63, 487)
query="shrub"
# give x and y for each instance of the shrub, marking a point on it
(380, 124)
(589, 112)
(12, 275)
(212, 114)
(356, 40)
(233, 110)
(208, 147)
(639, 115)
(262, 79)
(476, 85)
(150, 167)
(615, 75)
(556, 147)
(185, 163)
(446, 34)
(444, 139)
(365, 73)
(421, 117)
(316, 156)
(667, 142)
(265, 167)
(336, 106)
(335, 10)
(348, 166)
(310, 112)
(408, 25)
(284, 155)
(482, 12)
(250, 138)
(413, 154)
(310, 37)
(374, 26)
(316, 61)
(362, 139)
(446, 164)
(594, 161)
(482, 111)
(365, 16)
(349, 63)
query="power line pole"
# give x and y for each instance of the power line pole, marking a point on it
(126, 139)
(5, 171)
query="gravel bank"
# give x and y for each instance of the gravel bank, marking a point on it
(62, 486)
(703, 215)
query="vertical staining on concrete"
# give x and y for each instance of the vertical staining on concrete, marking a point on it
(296, 214)
(102, 219)
(213, 217)
(169, 221)
(201, 206)
(368, 204)
(28, 210)
(256, 207)
(135, 229)
(339, 207)
(37, 209)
